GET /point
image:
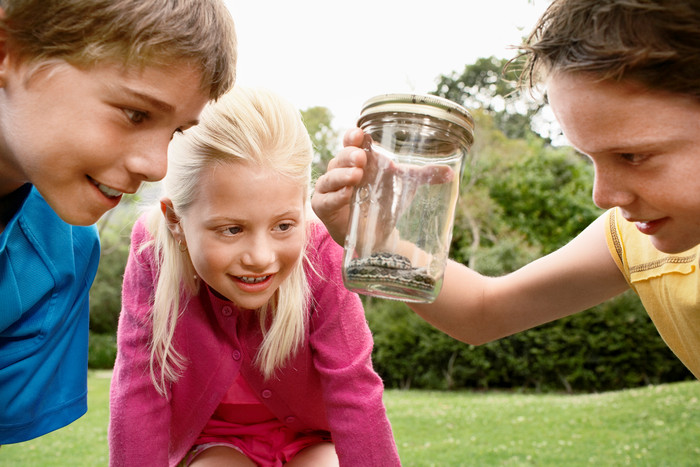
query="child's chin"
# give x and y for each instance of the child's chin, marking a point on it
(671, 247)
(83, 218)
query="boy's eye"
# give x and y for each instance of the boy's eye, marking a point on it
(136, 116)
(632, 157)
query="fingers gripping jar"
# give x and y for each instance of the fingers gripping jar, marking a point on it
(402, 211)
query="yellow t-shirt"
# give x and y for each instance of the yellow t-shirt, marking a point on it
(668, 285)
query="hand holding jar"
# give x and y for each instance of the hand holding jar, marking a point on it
(402, 211)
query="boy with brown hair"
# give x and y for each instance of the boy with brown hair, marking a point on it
(622, 79)
(91, 92)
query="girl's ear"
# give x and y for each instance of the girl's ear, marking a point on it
(172, 220)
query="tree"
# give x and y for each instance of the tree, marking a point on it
(105, 293)
(490, 85)
(323, 137)
(517, 189)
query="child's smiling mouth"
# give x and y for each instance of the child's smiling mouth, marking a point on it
(252, 280)
(107, 191)
(650, 227)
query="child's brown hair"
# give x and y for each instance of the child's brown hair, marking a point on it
(654, 42)
(128, 32)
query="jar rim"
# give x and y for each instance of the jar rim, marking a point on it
(423, 104)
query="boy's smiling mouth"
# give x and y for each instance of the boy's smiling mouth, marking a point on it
(650, 227)
(107, 191)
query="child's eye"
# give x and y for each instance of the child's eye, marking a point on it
(285, 226)
(232, 230)
(632, 157)
(136, 116)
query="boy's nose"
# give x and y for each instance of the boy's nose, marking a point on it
(610, 190)
(150, 161)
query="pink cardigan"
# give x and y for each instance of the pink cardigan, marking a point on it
(329, 385)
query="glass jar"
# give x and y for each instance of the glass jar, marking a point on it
(402, 212)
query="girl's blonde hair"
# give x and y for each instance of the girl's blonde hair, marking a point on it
(254, 127)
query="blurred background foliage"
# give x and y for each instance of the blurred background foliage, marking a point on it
(521, 197)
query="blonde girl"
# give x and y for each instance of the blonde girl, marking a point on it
(237, 341)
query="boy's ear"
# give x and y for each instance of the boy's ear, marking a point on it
(172, 220)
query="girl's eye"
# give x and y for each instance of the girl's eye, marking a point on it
(232, 230)
(285, 226)
(136, 116)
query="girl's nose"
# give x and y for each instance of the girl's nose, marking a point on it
(259, 253)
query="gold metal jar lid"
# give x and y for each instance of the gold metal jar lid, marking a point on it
(421, 104)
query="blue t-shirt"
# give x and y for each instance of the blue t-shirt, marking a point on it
(46, 269)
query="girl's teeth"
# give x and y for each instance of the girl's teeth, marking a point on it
(253, 280)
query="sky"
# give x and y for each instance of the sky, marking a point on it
(339, 54)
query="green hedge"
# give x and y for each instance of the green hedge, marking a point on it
(102, 351)
(613, 346)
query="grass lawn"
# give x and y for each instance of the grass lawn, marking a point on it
(651, 426)
(82, 443)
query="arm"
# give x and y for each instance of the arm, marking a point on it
(478, 309)
(139, 416)
(342, 347)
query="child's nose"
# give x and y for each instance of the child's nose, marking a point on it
(149, 161)
(259, 254)
(610, 190)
